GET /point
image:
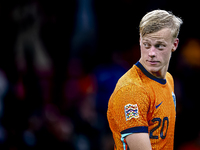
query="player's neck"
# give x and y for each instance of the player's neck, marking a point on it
(158, 73)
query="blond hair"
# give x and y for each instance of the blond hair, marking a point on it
(159, 19)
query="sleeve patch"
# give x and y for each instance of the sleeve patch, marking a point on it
(131, 111)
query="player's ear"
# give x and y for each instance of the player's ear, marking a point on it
(175, 44)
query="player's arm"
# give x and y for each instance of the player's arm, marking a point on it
(138, 141)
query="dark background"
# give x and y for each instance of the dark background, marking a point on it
(60, 61)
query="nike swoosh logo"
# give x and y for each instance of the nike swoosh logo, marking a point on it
(159, 105)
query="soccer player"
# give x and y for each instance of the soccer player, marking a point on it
(142, 109)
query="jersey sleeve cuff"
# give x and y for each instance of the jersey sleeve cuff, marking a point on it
(124, 133)
(140, 129)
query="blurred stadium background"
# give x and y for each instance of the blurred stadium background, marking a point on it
(60, 61)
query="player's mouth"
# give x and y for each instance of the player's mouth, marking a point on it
(152, 62)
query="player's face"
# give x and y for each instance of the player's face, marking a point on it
(156, 49)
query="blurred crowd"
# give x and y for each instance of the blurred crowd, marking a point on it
(60, 61)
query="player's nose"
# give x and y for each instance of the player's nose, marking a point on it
(152, 51)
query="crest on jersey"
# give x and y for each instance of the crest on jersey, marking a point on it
(131, 111)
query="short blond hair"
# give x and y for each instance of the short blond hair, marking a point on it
(159, 19)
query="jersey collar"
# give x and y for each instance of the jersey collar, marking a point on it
(159, 80)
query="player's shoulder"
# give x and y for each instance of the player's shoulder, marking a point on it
(129, 86)
(130, 78)
(169, 78)
(168, 75)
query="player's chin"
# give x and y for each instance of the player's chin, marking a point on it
(154, 69)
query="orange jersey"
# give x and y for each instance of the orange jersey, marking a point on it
(142, 103)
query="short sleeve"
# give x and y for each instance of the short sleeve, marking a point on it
(129, 109)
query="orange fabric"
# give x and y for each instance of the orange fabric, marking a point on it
(155, 107)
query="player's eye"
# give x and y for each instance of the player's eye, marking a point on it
(146, 45)
(160, 46)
